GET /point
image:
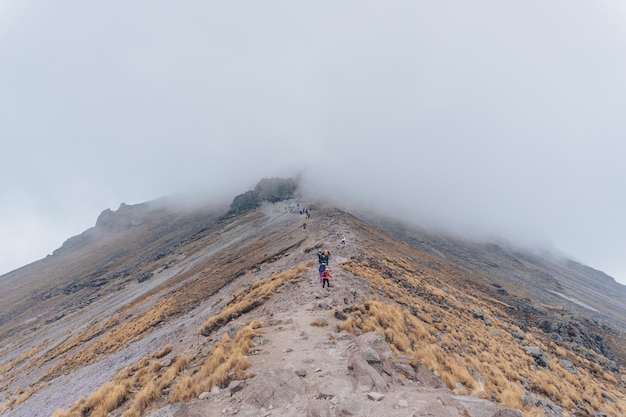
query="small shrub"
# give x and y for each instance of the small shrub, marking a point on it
(166, 350)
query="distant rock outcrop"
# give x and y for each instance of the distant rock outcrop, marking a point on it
(244, 202)
(268, 189)
(125, 217)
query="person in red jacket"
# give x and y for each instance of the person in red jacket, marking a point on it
(326, 276)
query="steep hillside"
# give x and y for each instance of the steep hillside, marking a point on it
(116, 253)
(170, 310)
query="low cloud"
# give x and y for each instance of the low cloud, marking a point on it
(486, 119)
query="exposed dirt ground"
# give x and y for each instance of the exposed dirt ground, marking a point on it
(302, 361)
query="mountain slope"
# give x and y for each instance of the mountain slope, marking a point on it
(168, 304)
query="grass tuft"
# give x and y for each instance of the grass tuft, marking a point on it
(249, 298)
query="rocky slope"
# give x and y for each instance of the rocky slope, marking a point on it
(167, 312)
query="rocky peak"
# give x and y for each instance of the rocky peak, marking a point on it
(125, 217)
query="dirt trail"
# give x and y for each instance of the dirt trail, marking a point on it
(300, 336)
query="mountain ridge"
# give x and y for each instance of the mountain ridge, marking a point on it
(187, 267)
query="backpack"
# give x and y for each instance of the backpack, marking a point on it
(326, 274)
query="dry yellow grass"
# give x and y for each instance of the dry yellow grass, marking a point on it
(105, 337)
(250, 298)
(497, 358)
(109, 397)
(141, 316)
(32, 352)
(488, 352)
(136, 388)
(166, 350)
(21, 397)
(512, 396)
(225, 362)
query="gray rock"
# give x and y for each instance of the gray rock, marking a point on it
(472, 406)
(508, 412)
(539, 310)
(318, 408)
(274, 322)
(518, 335)
(236, 386)
(569, 367)
(232, 331)
(366, 375)
(540, 358)
(372, 357)
(344, 335)
(334, 387)
(323, 305)
(320, 322)
(375, 396)
(276, 387)
(339, 315)
(349, 407)
(428, 378)
(404, 370)
(172, 410)
(375, 341)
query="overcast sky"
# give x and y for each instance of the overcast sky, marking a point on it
(486, 117)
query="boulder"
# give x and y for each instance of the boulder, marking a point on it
(375, 396)
(569, 366)
(172, 410)
(350, 407)
(376, 341)
(508, 412)
(540, 358)
(365, 375)
(276, 387)
(318, 408)
(333, 387)
(236, 386)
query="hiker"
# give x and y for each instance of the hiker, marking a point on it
(304, 225)
(326, 255)
(320, 256)
(326, 276)
(343, 240)
(322, 268)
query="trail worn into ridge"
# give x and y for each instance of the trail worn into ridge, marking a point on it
(303, 366)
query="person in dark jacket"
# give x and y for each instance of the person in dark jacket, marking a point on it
(322, 268)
